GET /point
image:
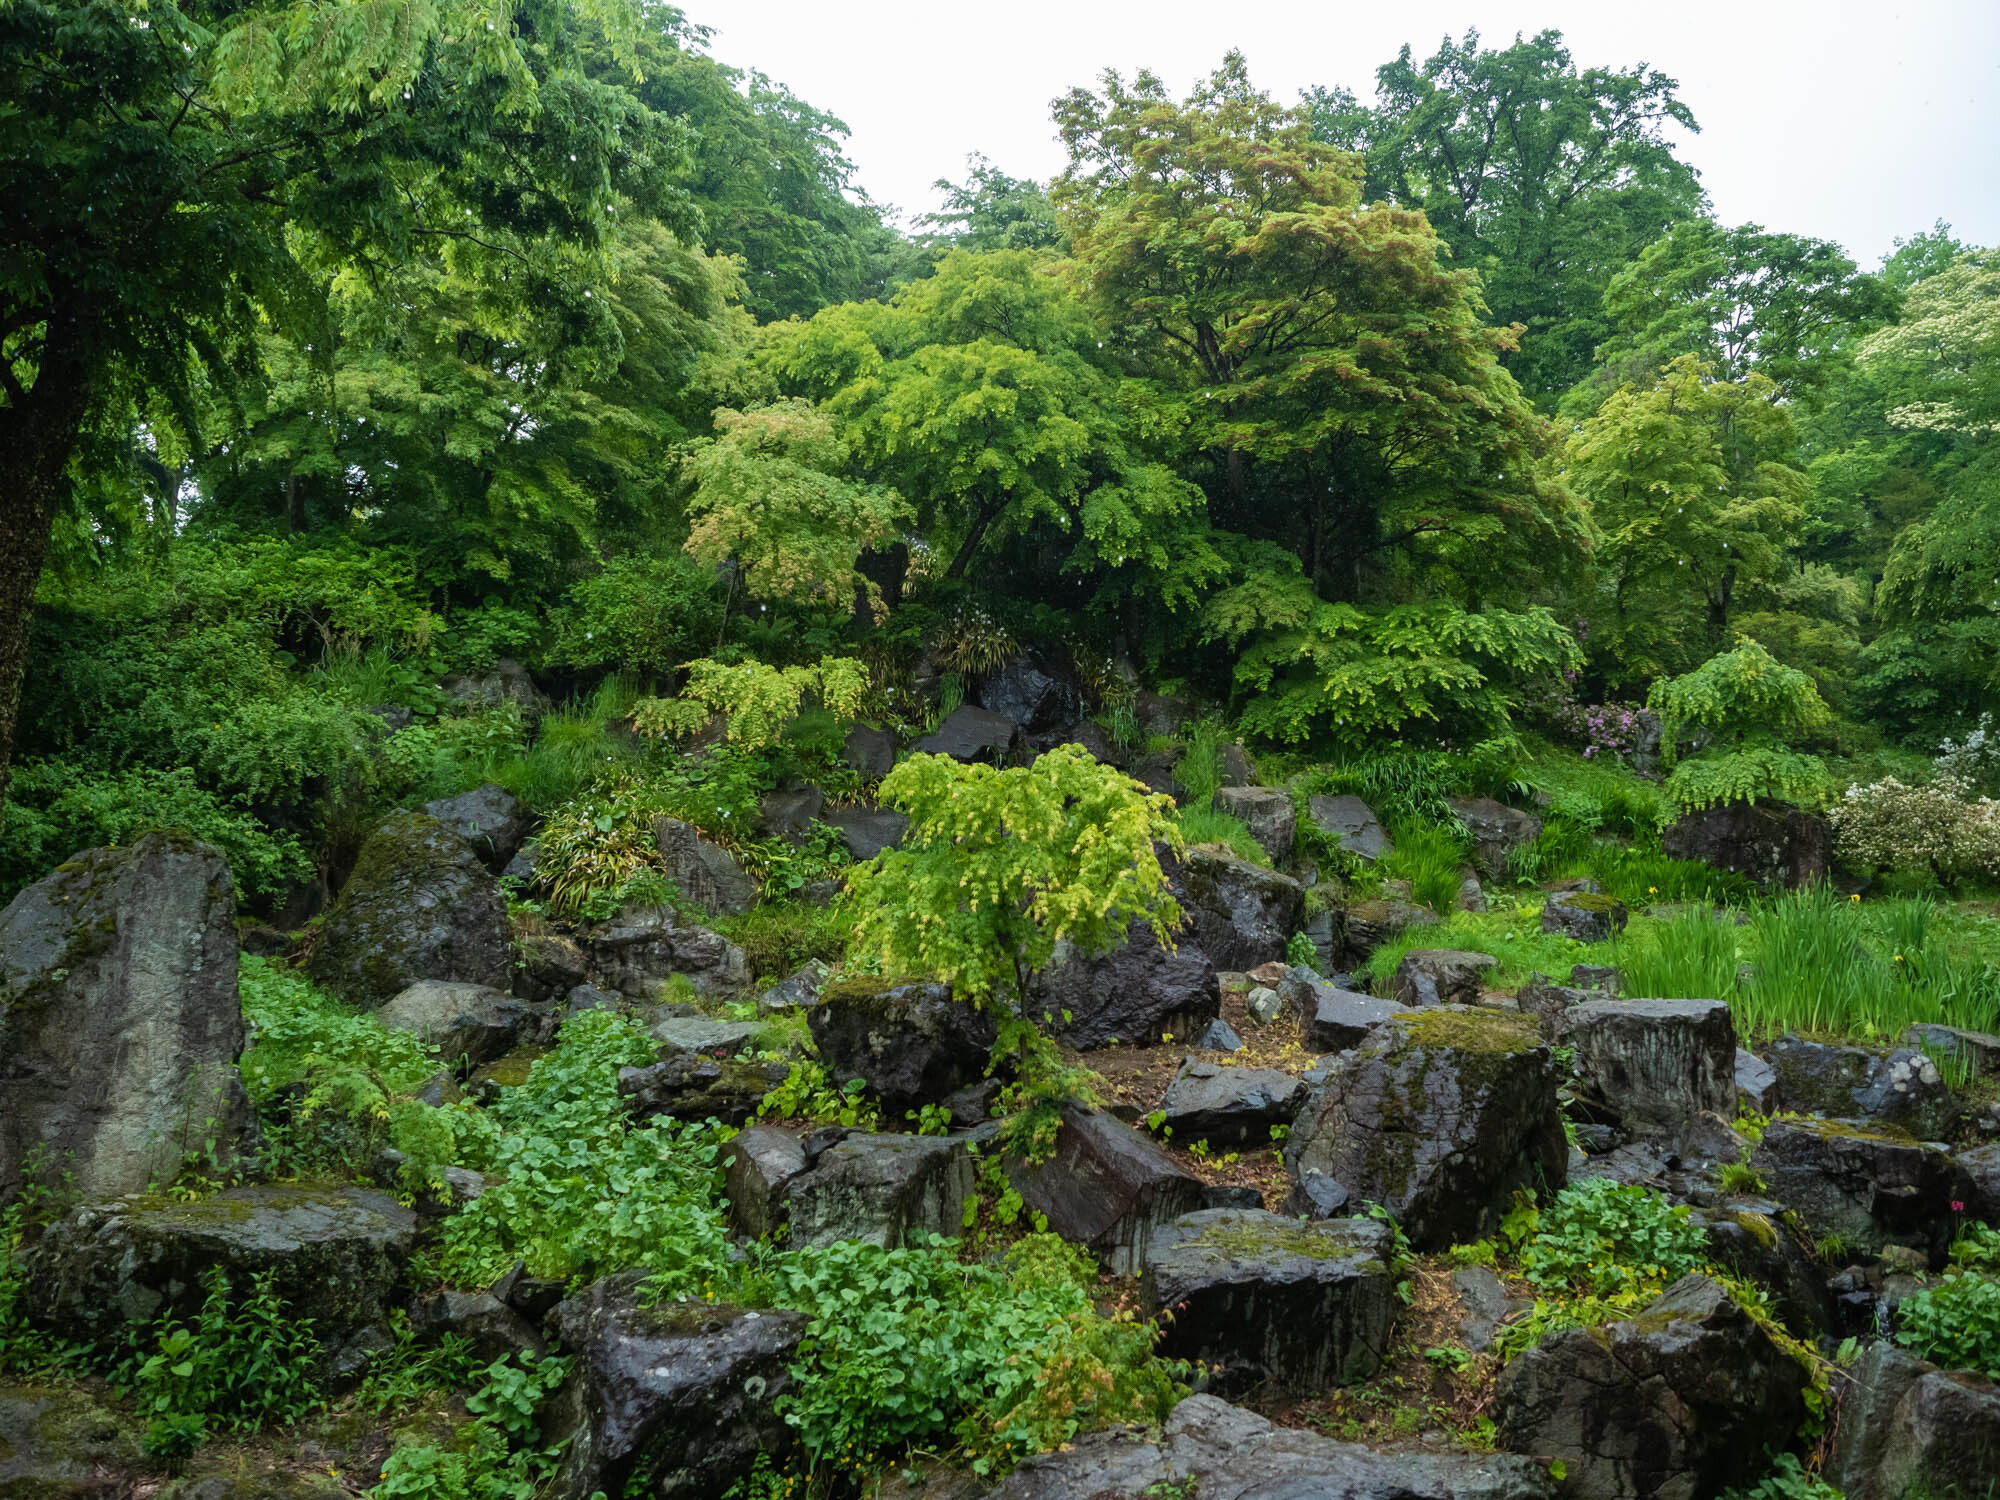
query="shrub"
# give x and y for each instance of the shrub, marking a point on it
(1751, 703)
(1975, 759)
(1604, 1237)
(1954, 1323)
(1940, 827)
(759, 700)
(641, 614)
(243, 1364)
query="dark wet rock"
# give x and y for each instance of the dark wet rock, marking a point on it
(521, 868)
(1084, 734)
(643, 947)
(971, 734)
(1471, 894)
(870, 751)
(1332, 1019)
(1219, 1036)
(884, 1189)
(1583, 915)
(119, 1019)
(789, 814)
(1872, 1185)
(1326, 929)
(1978, 1052)
(1237, 767)
(1655, 1064)
(1981, 1166)
(1229, 1106)
(1239, 914)
(690, 1034)
(419, 905)
(1594, 977)
(1484, 1296)
(551, 964)
(1107, 1186)
(1440, 1115)
(336, 1255)
(1267, 812)
(1352, 824)
(796, 991)
(1756, 1083)
(1550, 1004)
(489, 1325)
(1440, 976)
(704, 872)
(467, 1022)
(1136, 993)
(1753, 1241)
(488, 818)
(973, 1105)
(1773, 843)
(589, 997)
(913, 1044)
(1216, 1451)
(1907, 1428)
(684, 1393)
(1317, 1196)
(867, 831)
(1496, 829)
(1025, 695)
(1367, 925)
(1159, 713)
(1678, 1402)
(761, 1162)
(1274, 1304)
(1899, 1086)
(693, 1086)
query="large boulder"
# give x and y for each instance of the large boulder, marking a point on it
(1440, 976)
(1587, 916)
(336, 1254)
(488, 818)
(637, 952)
(1108, 1187)
(466, 1022)
(706, 873)
(1550, 1003)
(1216, 1451)
(789, 814)
(867, 831)
(1026, 696)
(509, 684)
(761, 1162)
(1908, 1428)
(1229, 1106)
(1239, 914)
(1267, 812)
(1679, 1403)
(1656, 1064)
(1496, 829)
(683, 1393)
(1272, 1302)
(1897, 1086)
(971, 734)
(1352, 824)
(1773, 843)
(1754, 1239)
(1439, 1116)
(912, 1044)
(1332, 1019)
(1137, 992)
(695, 1086)
(419, 905)
(1871, 1185)
(885, 1189)
(1367, 925)
(119, 1019)
(871, 752)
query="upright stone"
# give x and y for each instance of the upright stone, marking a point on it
(1107, 1187)
(1352, 824)
(706, 873)
(1267, 812)
(1657, 1063)
(119, 1019)
(1137, 992)
(1496, 830)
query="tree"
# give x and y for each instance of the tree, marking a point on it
(1691, 484)
(1543, 178)
(992, 211)
(168, 190)
(1752, 705)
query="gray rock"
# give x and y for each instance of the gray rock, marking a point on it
(1873, 1185)
(1440, 1116)
(913, 1044)
(549, 965)
(1756, 1083)
(1583, 915)
(867, 831)
(1471, 894)
(1221, 1452)
(1752, 1240)
(1981, 1166)
(971, 734)
(57, 1443)
(1326, 930)
(1773, 843)
(589, 997)
(419, 905)
(1263, 1005)
(488, 819)
(1107, 1187)
(1367, 925)
(683, 1393)
(1352, 824)
(1899, 1086)
(1908, 1428)
(870, 751)
(1657, 1063)
(492, 1328)
(1229, 1106)
(796, 991)
(508, 683)
(521, 868)
(643, 947)
(706, 873)
(1332, 1019)
(1316, 1196)
(1268, 814)
(1026, 696)
(466, 1022)
(1550, 1004)
(1272, 1302)
(1484, 1297)
(1159, 713)
(1677, 1403)
(1237, 767)
(1978, 1052)
(1239, 914)
(883, 1189)
(119, 1019)
(761, 1162)
(1137, 992)
(336, 1254)
(687, 1034)
(1496, 830)
(1219, 1037)
(694, 1086)
(789, 814)
(1594, 977)
(1440, 976)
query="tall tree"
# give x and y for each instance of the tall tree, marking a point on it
(1543, 177)
(177, 177)
(992, 211)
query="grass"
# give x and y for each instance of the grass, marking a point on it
(1203, 825)
(1199, 770)
(1429, 856)
(1510, 932)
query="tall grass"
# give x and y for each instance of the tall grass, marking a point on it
(1201, 824)
(1429, 856)
(1512, 935)
(1199, 770)
(1692, 955)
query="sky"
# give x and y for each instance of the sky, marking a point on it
(1853, 122)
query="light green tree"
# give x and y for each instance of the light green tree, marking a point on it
(1752, 706)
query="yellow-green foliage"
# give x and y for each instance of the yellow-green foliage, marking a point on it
(1752, 704)
(759, 700)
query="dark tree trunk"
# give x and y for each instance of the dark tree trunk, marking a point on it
(987, 511)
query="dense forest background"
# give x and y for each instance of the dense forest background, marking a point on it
(344, 361)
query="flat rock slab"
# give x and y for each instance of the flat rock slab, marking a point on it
(473, 1023)
(1656, 1064)
(867, 831)
(1273, 1302)
(1229, 1106)
(1352, 824)
(1107, 1187)
(687, 1034)
(1440, 976)
(971, 734)
(1331, 1018)
(882, 1189)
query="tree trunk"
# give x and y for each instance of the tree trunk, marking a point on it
(987, 511)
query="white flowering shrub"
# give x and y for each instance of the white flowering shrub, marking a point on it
(1975, 759)
(1940, 826)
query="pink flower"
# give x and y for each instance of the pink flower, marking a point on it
(1958, 1205)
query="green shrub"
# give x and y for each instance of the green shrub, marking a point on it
(1787, 1480)
(499, 1456)
(1602, 1237)
(1199, 769)
(1954, 1323)
(243, 1364)
(641, 614)
(778, 936)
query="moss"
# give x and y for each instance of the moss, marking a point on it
(863, 992)
(1468, 1030)
(1855, 1130)
(508, 1072)
(1760, 1228)
(1589, 901)
(1240, 1241)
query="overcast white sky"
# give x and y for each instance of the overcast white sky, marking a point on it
(1856, 122)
